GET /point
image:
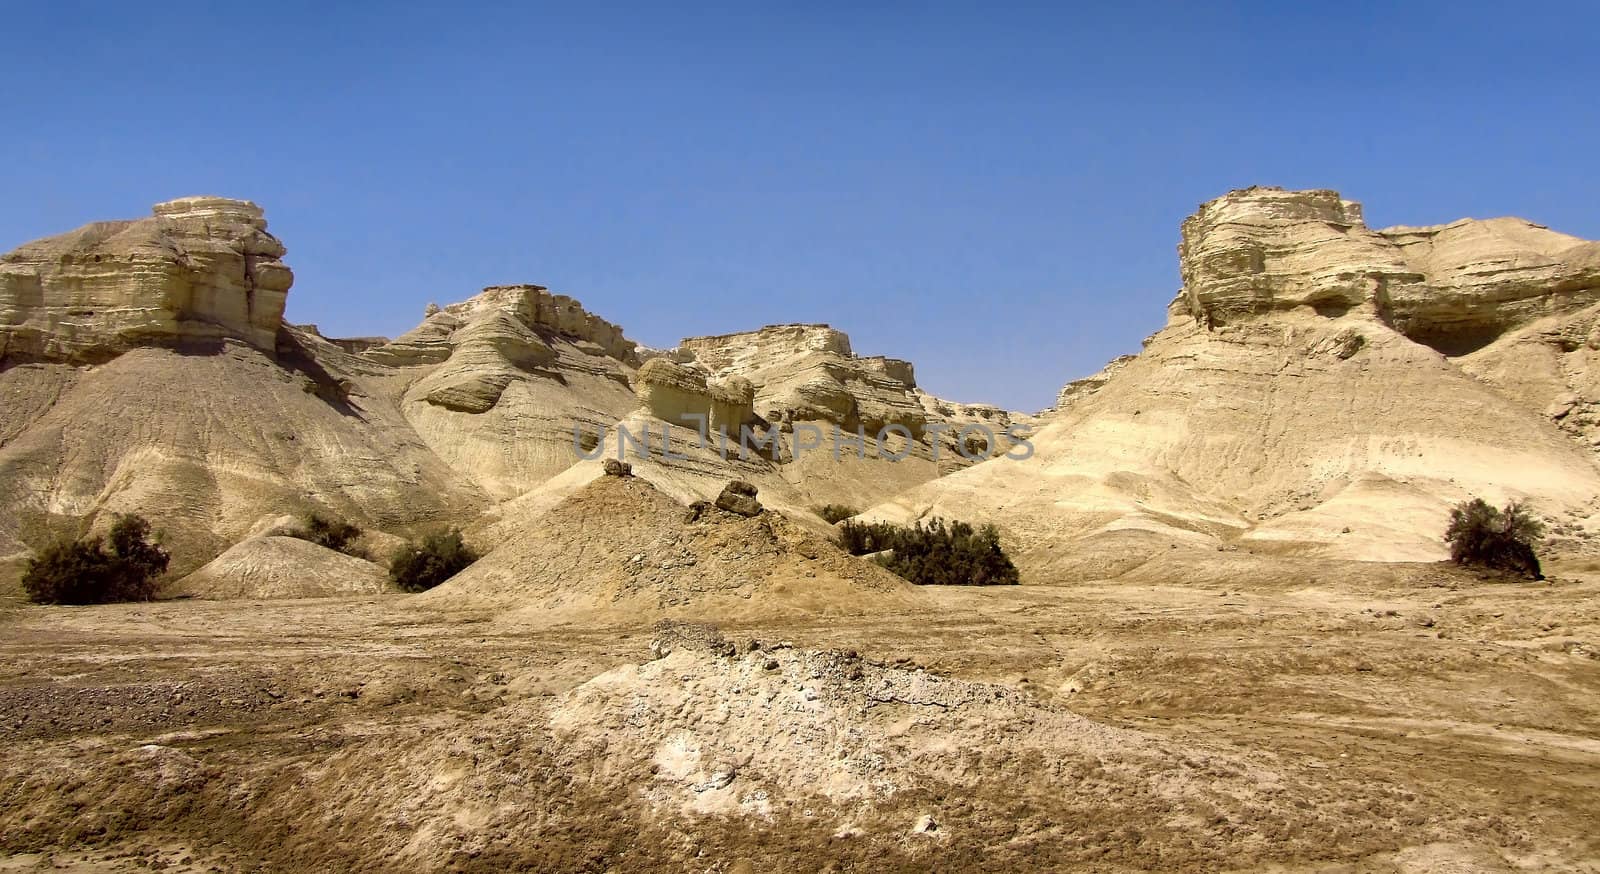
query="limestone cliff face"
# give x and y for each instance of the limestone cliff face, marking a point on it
(1321, 389)
(807, 373)
(1081, 389)
(1455, 287)
(681, 395)
(496, 384)
(199, 268)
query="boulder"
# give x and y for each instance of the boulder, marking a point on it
(739, 497)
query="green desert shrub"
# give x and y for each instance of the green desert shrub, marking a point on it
(1503, 540)
(420, 567)
(333, 534)
(865, 538)
(835, 513)
(123, 566)
(934, 553)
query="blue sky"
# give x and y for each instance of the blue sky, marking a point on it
(992, 191)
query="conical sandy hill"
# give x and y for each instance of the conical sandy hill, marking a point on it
(619, 549)
(281, 567)
(1291, 404)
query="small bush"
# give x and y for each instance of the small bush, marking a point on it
(864, 538)
(836, 513)
(440, 556)
(87, 572)
(330, 533)
(934, 553)
(1501, 540)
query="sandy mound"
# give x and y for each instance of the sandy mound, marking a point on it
(281, 567)
(620, 546)
(872, 751)
(792, 757)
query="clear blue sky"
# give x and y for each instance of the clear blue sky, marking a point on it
(991, 191)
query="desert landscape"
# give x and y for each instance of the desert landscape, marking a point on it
(1238, 643)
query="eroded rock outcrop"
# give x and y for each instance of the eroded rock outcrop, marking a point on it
(807, 373)
(681, 395)
(1454, 287)
(1297, 402)
(199, 268)
(505, 379)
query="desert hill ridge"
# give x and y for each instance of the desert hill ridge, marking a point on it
(1320, 388)
(255, 418)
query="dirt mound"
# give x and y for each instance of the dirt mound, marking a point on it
(620, 546)
(875, 753)
(281, 567)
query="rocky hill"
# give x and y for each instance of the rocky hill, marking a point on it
(146, 367)
(1320, 388)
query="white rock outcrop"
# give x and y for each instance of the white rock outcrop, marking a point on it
(1455, 287)
(199, 268)
(1307, 398)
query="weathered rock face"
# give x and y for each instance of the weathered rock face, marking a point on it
(199, 268)
(681, 395)
(807, 373)
(524, 311)
(1489, 277)
(505, 378)
(1298, 402)
(1454, 287)
(1552, 368)
(1080, 389)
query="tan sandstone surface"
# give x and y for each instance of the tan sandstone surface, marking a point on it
(1329, 718)
(281, 567)
(1320, 389)
(1215, 670)
(198, 268)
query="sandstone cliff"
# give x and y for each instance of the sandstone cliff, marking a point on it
(496, 384)
(1454, 287)
(197, 269)
(1308, 396)
(789, 383)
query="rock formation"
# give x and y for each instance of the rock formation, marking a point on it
(1298, 400)
(808, 373)
(681, 395)
(198, 269)
(1455, 287)
(739, 497)
(506, 378)
(1320, 388)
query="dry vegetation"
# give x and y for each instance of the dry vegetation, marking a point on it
(1315, 717)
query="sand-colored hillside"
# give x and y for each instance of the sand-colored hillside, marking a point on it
(206, 445)
(1283, 410)
(280, 567)
(619, 549)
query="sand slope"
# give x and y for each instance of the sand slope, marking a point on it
(281, 567)
(619, 548)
